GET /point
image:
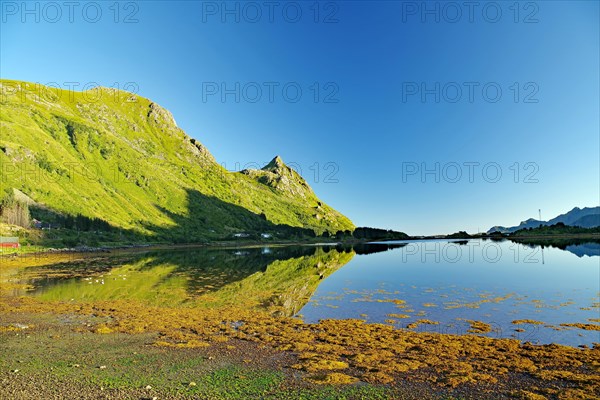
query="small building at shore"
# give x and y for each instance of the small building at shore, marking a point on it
(9, 242)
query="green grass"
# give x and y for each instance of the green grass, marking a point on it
(120, 158)
(336, 393)
(237, 383)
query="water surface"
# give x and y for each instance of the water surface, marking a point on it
(451, 282)
(439, 286)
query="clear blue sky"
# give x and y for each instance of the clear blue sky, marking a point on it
(375, 59)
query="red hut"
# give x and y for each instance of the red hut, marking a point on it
(11, 242)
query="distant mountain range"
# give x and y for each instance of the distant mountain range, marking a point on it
(587, 217)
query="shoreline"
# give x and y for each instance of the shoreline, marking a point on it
(158, 247)
(249, 244)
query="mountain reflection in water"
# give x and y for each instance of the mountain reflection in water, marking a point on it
(279, 279)
(449, 282)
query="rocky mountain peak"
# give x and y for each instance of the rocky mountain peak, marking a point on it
(275, 164)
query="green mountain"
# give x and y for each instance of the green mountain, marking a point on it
(111, 156)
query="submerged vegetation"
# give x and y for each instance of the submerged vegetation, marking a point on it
(346, 351)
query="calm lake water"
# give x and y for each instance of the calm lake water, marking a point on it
(444, 284)
(450, 282)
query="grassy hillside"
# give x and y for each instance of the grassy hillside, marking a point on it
(121, 158)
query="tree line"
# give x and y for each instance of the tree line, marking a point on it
(14, 211)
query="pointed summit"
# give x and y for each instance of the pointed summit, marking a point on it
(274, 164)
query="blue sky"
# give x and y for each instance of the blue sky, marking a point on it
(388, 90)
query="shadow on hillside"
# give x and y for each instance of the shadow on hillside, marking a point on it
(209, 218)
(206, 219)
